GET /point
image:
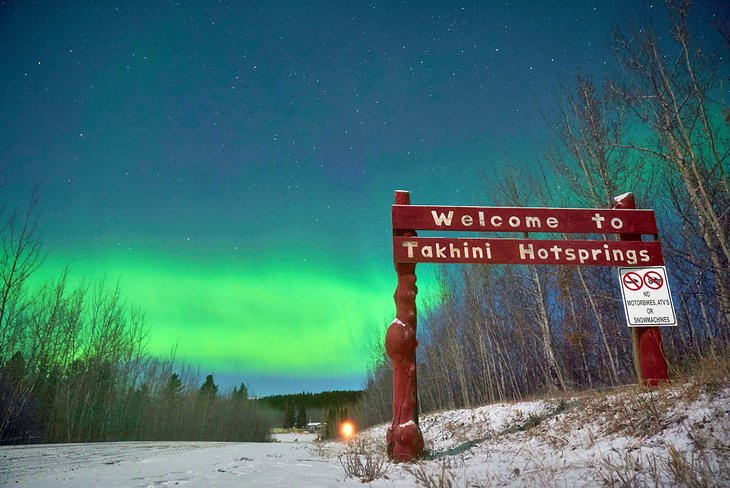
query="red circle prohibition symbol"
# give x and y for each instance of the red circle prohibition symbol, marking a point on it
(653, 280)
(633, 281)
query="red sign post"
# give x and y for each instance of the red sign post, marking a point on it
(649, 360)
(404, 438)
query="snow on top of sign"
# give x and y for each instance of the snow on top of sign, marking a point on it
(399, 322)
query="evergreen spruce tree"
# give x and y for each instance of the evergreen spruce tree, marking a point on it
(174, 387)
(301, 418)
(15, 368)
(208, 390)
(330, 430)
(240, 394)
(289, 416)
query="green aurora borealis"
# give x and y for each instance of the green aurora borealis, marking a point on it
(270, 317)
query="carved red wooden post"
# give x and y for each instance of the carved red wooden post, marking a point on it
(649, 360)
(404, 439)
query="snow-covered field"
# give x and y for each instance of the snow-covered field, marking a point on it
(628, 438)
(289, 462)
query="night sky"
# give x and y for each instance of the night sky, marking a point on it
(233, 163)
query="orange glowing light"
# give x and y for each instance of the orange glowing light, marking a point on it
(347, 429)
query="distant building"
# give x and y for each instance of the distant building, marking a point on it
(315, 427)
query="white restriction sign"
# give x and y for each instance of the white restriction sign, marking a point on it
(647, 300)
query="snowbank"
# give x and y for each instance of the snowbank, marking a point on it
(635, 436)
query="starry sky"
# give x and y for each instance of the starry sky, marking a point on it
(233, 163)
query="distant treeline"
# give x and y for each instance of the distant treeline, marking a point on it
(325, 399)
(329, 407)
(660, 128)
(73, 366)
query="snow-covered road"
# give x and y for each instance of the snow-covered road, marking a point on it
(289, 462)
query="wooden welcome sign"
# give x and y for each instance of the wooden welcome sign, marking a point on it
(404, 438)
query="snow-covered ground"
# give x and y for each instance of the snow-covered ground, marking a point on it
(289, 462)
(630, 438)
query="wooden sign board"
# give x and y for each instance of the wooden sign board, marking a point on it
(524, 219)
(526, 251)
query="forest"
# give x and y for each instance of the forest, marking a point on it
(658, 127)
(80, 373)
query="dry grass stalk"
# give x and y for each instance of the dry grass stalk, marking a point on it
(423, 477)
(363, 462)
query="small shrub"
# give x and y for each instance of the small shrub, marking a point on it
(363, 462)
(705, 375)
(625, 470)
(442, 479)
(695, 469)
(531, 422)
